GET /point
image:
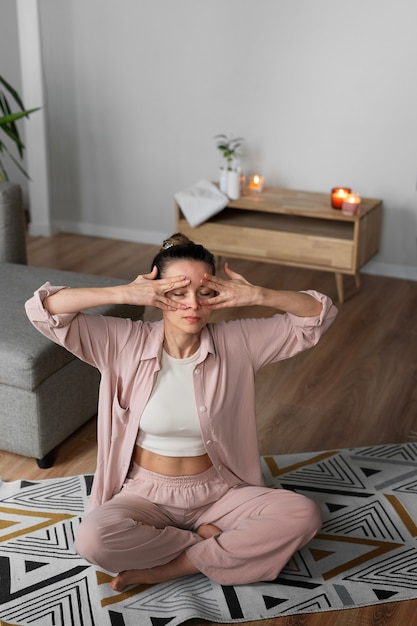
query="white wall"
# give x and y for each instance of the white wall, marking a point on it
(324, 93)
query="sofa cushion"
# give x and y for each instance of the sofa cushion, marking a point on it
(27, 357)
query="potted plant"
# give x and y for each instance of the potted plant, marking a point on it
(8, 126)
(230, 173)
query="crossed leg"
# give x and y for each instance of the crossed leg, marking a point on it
(247, 535)
(180, 566)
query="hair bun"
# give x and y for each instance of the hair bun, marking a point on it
(177, 239)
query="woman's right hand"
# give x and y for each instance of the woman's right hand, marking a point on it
(147, 290)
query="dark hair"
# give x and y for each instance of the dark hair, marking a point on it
(179, 247)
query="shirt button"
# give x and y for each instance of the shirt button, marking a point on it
(208, 442)
(197, 371)
(203, 409)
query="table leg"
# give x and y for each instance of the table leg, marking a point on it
(339, 286)
(357, 280)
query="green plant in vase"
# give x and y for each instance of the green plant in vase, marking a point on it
(229, 178)
(8, 126)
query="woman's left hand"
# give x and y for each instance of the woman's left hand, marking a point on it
(235, 292)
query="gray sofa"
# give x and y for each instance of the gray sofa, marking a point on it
(45, 393)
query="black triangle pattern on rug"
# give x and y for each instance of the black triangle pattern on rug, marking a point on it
(384, 595)
(116, 619)
(365, 553)
(31, 565)
(271, 602)
(161, 621)
(335, 507)
(370, 471)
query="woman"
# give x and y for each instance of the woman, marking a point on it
(178, 487)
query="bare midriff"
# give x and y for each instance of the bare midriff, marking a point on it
(171, 465)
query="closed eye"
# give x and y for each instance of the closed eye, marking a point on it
(207, 294)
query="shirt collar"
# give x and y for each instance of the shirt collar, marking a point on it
(153, 345)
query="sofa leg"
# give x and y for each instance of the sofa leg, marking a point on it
(46, 461)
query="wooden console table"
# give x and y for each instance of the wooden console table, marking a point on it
(294, 228)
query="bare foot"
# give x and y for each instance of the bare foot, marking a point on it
(180, 566)
(129, 577)
(208, 530)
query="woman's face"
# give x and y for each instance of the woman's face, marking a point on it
(195, 316)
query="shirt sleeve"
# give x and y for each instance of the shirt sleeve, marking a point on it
(282, 336)
(95, 339)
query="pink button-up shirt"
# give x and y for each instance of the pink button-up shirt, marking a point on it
(128, 355)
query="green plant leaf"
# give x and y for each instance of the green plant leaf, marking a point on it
(12, 132)
(12, 91)
(12, 117)
(3, 173)
(12, 158)
(228, 146)
(8, 124)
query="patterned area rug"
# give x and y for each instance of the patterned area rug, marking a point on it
(366, 552)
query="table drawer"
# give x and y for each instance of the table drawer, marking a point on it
(286, 247)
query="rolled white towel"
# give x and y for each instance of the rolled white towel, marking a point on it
(201, 201)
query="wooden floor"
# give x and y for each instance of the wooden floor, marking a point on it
(357, 387)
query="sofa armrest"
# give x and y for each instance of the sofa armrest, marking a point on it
(12, 225)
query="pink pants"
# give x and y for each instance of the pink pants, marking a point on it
(154, 519)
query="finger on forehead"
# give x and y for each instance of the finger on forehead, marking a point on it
(211, 278)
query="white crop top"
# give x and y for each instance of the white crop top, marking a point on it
(169, 424)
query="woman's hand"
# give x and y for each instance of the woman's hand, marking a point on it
(235, 292)
(145, 290)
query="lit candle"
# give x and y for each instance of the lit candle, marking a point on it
(351, 204)
(256, 182)
(339, 194)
